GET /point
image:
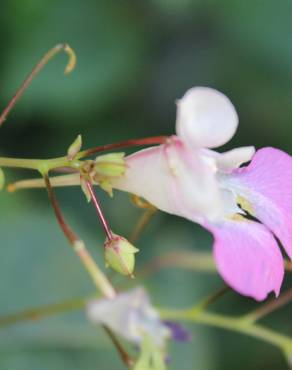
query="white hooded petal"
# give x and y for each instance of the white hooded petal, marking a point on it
(232, 159)
(206, 118)
(229, 161)
(175, 179)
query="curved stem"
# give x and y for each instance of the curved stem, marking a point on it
(236, 324)
(41, 312)
(123, 144)
(96, 274)
(99, 279)
(38, 67)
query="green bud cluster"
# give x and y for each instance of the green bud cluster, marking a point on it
(107, 167)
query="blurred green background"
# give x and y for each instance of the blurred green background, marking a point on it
(135, 58)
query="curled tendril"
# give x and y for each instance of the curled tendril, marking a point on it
(72, 58)
(35, 71)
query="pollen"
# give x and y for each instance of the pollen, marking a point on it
(244, 204)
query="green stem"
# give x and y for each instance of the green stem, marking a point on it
(41, 312)
(45, 165)
(236, 324)
(38, 67)
(42, 165)
(97, 276)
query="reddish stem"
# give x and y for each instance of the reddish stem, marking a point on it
(103, 221)
(37, 68)
(124, 144)
(70, 235)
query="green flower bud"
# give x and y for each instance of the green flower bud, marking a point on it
(74, 148)
(120, 255)
(110, 165)
(2, 179)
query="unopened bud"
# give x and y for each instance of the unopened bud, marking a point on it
(74, 148)
(120, 255)
(2, 179)
(110, 165)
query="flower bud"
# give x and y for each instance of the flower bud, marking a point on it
(110, 165)
(2, 179)
(74, 148)
(119, 255)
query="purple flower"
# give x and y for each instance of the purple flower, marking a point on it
(186, 178)
(178, 332)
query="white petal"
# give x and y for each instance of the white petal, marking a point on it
(206, 118)
(175, 179)
(131, 315)
(228, 161)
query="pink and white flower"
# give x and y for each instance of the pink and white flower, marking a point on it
(185, 177)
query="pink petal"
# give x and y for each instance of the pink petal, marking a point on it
(267, 184)
(248, 258)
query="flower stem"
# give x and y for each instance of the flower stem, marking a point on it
(123, 354)
(78, 245)
(123, 144)
(100, 280)
(46, 165)
(189, 260)
(41, 312)
(269, 307)
(39, 164)
(99, 212)
(236, 324)
(143, 221)
(38, 67)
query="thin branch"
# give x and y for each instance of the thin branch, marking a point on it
(123, 144)
(269, 307)
(235, 324)
(197, 261)
(56, 181)
(212, 298)
(42, 312)
(123, 354)
(96, 274)
(38, 67)
(78, 245)
(99, 212)
(143, 221)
